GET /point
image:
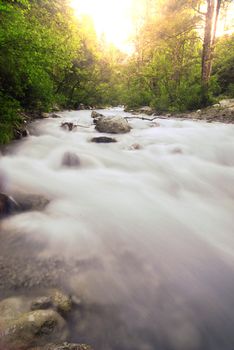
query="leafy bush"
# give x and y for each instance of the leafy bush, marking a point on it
(9, 117)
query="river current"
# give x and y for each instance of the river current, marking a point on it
(156, 222)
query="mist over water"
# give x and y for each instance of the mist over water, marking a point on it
(154, 226)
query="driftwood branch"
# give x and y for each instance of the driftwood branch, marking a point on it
(142, 118)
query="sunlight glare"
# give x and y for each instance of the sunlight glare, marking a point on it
(111, 18)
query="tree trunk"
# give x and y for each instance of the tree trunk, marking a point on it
(213, 7)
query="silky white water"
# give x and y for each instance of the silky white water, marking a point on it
(157, 222)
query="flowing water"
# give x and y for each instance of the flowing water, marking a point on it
(154, 226)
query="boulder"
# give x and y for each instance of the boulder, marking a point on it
(113, 125)
(33, 328)
(103, 139)
(95, 115)
(8, 205)
(70, 160)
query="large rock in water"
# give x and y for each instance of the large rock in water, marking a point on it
(113, 125)
(31, 329)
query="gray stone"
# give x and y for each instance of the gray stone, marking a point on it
(103, 139)
(113, 125)
(28, 202)
(70, 160)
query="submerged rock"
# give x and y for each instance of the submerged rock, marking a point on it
(70, 160)
(28, 202)
(135, 146)
(8, 205)
(113, 125)
(103, 139)
(31, 329)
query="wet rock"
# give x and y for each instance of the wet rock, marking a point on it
(103, 139)
(42, 303)
(95, 115)
(45, 115)
(12, 308)
(31, 202)
(8, 205)
(81, 106)
(64, 346)
(113, 125)
(33, 328)
(55, 115)
(19, 133)
(70, 160)
(61, 301)
(68, 126)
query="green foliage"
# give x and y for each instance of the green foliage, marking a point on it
(9, 117)
(224, 65)
(48, 57)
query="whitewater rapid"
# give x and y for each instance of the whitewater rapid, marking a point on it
(157, 222)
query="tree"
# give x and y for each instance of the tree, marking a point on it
(211, 19)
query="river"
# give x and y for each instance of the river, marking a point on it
(152, 228)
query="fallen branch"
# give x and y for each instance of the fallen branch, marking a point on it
(142, 118)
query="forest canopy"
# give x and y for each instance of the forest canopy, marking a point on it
(50, 58)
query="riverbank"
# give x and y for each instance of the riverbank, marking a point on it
(221, 112)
